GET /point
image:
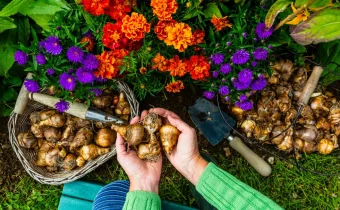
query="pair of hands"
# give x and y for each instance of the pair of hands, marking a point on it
(185, 156)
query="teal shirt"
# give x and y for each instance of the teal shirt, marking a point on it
(218, 187)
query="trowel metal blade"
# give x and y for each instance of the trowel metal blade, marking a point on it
(208, 119)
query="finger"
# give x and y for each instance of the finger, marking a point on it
(179, 124)
(164, 113)
(144, 113)
(120, 146)
(135, 120)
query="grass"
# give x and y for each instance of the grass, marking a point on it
(288, 186)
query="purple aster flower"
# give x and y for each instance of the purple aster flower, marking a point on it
(262, 32)
(244, 35)
(90, 62)
(42, 44)
(70, 70)
(41, 60)
(259, 83)
(31, 85)
(227, 98)
(215, 74)
(243, 97)
(254, 63)
(245, 76)
(75, 54)
(84, 76)
(239, 85)
(217, 58)
(96, 92)
(270, 47)
(100, 80)
(229, 43)
(52, 45)
(62, 106)
(225, 68)
(20, 57)
(209, 94)
(244, 105)
(224, 90)
(240, 57)
(50, 72)
(260, 54)
(67, 81)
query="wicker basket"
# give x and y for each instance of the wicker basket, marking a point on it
(20, 123)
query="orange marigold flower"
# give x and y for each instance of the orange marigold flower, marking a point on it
(161, 63)
(164, 8)
(160, 28)
(220, 23)
(113, 37)
(118, 9)
(175, 87)
(177, 67)
(96, 7)
(109, 63)
(198, 67)
(89, 43)
(135, 26)
(197, 37)
(142, 70)
(179, 36)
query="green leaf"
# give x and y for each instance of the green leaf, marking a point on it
(328, 54)
(24, 30)
(5, 110)
(212, 9)
(322, 26)
(14, 7)
(317, 5)
(191, 14)
(12, 81)
(88, 18)
(43, 21)
(41, 7)
(9, 95)
(274, 10)
(7, 50)
(6, 24)
(224, 8)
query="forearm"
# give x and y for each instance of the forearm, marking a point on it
(224, 191)
(142, 200)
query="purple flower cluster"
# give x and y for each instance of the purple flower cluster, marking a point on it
(263, 32)
(62, 106)
(41, 59)
(243, 80)
(50, 72)
(20, 57)
(209, 94)
(240, 57)
(52, 45)
(96, 92)
(224, 90)
(67, 81)
(217, 58)
(90, 62)
(215, 74)
(225, 68)
(260, 54)
(75, 54)
(31, 85)
(244, 105)
(84, 76)
(259, 83)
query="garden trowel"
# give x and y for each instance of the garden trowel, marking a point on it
(208, 119)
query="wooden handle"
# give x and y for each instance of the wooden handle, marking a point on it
(76, 109)
(310, 85)
(253, 159)
(22, 100)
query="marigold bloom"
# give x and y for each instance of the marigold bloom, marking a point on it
(299, 17)
(89, 43)
(109, 63)
(135, 26)
(160, 28)
(197, 37)
(198, 67)
(177, 67)
(118, 9)
(96, 7)
(220, 23)
(175, 87)
(113, 37)
(164, 8)
(142, 70)
(161, 63)
(179, 36)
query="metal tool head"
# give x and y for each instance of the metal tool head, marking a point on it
(98, 115)
(208, 119)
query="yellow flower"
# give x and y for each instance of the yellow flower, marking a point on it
(179, 36)
(299, 17)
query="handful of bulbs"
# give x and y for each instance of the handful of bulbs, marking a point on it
(65, 142)
(318, 126)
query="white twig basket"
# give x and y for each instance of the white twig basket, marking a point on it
(20, 123)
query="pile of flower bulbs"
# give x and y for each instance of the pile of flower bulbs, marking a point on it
(317, 127)
(65, 142)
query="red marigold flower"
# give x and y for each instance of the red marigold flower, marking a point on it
(109, 63)
(96, 7)
(175, 87)
(118, 9)
(198, 67)
(113, 37)
(89, 43)
(135, 26)
(197, 37)
(161, 63)
(177, 67)
(160, 28)
(220, 23)
(164, 8)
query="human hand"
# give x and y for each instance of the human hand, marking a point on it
(143, 175)
(185, 157)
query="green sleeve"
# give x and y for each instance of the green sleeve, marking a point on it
(142, 200)
(224, 191)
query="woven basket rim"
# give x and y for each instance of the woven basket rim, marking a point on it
(38, 173)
